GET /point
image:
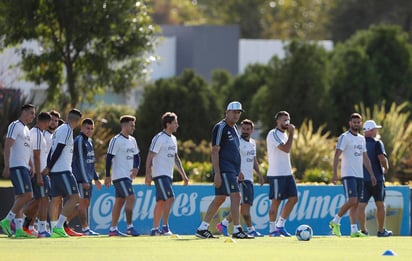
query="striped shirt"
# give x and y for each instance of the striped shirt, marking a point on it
(38, 142)
(123, 149)
(63, 135)
(352, 147)
(165, 147)
(279, 161)
(83, 159)
(20, 152)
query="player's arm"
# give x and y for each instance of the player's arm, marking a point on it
(7, 147)
(149, 162)
(136, 165)
(368, 166)
(182, 172)
(338, 152)
(257, 170)
(286, 147)
(53, 158)
(215, 165)
(108, 180)
(384, 162)
(37, 170)
(82, 158)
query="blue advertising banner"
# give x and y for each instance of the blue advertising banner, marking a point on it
(317, 205)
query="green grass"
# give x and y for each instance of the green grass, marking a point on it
(191, 248)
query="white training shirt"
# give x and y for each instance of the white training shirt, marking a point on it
(20, 152)
(247, 156)
(63, 135)
(279, 161)
(352, 147)
(49, 139)
(165, 147)
(38, 142)
(123, 148)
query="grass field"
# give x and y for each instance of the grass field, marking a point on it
(190, 248)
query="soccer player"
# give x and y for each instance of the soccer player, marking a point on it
(84, 172)
(379, 161)
(41, 184)
(17, 165)
(282, 184)
(123, 153)
(248, 164)
(352, 146)
(160, 162)
(226, 167)
(59, 168)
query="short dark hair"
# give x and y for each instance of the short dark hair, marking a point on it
(44, 116)
(127, 118)
(75, 112)
(248, 122)
(355, 115)
(87, 121)
(60, 122)
(280, 114)
(168, 117)
(27, 106)
(55, 113)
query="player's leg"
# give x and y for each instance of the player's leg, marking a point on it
(203, 229)
(120, 199)
(157, 215)
(379, 197)
(166, 213)
(54, 210)
(117, 207)
(365, 195)
(353, 211)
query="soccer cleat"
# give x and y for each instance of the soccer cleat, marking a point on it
(335, 228)
(72, 233)
(131, 231)
(20, 233)
(365, 232)
(166, 230)
(282, 231)
(274, 234)
(254, 233)
(204, 234)
(5, 225)
(116, 233)
(222, 229)
(29, 231)
(155, 232)
(357, 234)
(241, 235)
(43, 234)
(89, 232)
(58, 233)
(385, 233)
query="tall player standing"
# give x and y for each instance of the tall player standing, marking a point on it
(17, 165)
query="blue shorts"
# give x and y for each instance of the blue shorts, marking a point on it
(282, 187)
(41, 191)
(368, 191)
(246, 192)
(123, 187)
(352, 187)
(229, 184)
(85, 193)
(20, 178)
(164, 189)
(63, 184)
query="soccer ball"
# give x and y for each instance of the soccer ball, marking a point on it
(304, 233)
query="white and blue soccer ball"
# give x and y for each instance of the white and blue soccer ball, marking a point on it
(304, 233)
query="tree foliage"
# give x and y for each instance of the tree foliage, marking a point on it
(84, 46)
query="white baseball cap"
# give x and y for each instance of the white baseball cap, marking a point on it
(234, 106)
(370, 125)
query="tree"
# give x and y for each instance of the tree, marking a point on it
(349, 16)
(176, 12)
(84, 46)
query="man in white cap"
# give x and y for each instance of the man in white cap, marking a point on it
(226, 168)
(380, 166)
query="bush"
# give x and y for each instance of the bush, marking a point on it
(196, 171)
(318, 175)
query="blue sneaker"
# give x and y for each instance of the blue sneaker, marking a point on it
(131, 231)
(274, 234)
(89, 232)
(166, 231)
(116, 233)
(43, 234)
(222, 229)
(254, 233)
(155, 232)
(385, 233)
(283, 232)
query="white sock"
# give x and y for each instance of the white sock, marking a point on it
(337, 219)
(236, 228)
(31, 227)
(113, 228)
(42, 226)
(225, 222)
(281, 222)
(272, 226)
(61, 221)
(19, 223)
(129, 226)
(11, 215)
(53, 224)
(203, 226)
(85, 228)
(251, 229)
(353, 228)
